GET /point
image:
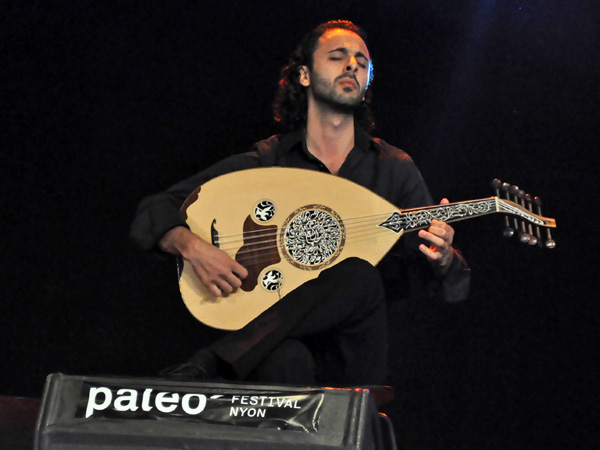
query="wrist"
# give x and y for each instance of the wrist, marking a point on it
(176, 241)
(442, 265)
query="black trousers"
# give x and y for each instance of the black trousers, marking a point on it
(330, 330)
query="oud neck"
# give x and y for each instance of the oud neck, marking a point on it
(419, 218)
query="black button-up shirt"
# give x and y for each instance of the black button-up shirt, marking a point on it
(385, 170)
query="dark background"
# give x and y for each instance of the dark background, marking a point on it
(103, 103)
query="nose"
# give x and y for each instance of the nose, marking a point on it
(352, 65)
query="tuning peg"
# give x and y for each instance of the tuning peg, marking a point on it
(533, 239)
(550, 243)
(508, 231)
(517, 197)
(524, 237)
(498, 185)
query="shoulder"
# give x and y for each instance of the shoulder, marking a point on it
(401, 175)
(269, 151)
(269, 144)
(388, 152)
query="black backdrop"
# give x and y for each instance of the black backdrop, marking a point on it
(105, 102)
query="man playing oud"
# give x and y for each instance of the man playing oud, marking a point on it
(331, 329)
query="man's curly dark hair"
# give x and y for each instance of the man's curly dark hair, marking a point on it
(291, 104)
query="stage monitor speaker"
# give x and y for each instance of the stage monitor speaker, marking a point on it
(85, 412)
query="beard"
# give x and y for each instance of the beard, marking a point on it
(326, 94)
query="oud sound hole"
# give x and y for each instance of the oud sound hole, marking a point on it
(313, 236)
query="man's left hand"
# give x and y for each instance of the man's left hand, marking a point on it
(440, 253)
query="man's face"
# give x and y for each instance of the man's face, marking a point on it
(341, 70)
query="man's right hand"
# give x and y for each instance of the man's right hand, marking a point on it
(215, 269)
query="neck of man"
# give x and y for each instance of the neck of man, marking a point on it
(329, 135)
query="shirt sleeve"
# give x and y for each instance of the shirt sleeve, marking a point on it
(161, 212)
(455, 285)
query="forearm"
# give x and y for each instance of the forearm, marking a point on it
(155, 217)
(180, 241)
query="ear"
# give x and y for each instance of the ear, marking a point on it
(304, 77)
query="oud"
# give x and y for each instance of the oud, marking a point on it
(286, 237)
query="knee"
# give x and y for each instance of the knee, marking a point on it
(360, 273)
(358, 282)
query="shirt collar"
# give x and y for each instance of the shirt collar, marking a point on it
(289, 141)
